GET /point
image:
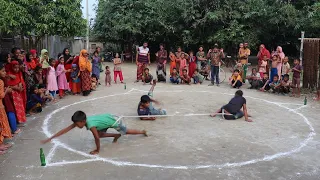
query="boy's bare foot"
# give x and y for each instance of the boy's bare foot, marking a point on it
(317, 99)
(116, 138)
(145, 133)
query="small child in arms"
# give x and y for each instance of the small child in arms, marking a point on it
(147, 77)
(236, 81)
(232, 110)
(145, 107)
(175, 77)
(185, 78)
(98, 125)
(275, 84)
(197, 77)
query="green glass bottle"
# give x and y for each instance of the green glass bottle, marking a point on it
(42, 158)
(305, 100)
(125, 86)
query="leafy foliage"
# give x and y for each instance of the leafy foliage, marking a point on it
(190, 22)
(40, 17)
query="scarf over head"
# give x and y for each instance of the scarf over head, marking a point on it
(44, 60)
(84, 63)
(18, 75)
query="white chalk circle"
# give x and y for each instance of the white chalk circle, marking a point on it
(92, 158)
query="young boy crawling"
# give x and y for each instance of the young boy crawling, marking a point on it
(145, 107)
(232, 110)
(98, 125)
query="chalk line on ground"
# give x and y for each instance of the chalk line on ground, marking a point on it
(57, 143)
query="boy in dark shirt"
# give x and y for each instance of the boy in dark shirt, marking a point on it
(265, 82)
(147, 77)
(232, 110)
(296, 78)
(145, 107)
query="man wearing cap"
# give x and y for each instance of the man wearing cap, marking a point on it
(215, 57)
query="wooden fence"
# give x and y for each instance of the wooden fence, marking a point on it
(311, 54)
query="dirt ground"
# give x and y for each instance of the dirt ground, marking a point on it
(282, 142)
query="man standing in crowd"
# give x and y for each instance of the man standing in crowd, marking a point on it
(215, 57)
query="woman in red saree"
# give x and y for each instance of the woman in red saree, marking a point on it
(263, 51)
(192, 63)
(17, 84)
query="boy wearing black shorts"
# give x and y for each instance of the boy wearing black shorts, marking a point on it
(232, 110)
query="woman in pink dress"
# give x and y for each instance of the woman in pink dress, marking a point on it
(62, 78)
(52, 86)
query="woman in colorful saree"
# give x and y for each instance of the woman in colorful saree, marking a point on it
(142, 60)
(85, 70)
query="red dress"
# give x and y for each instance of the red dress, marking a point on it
(192, 65)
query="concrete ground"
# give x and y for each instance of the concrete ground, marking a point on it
(282, 142)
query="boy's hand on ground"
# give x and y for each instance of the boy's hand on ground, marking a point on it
(249, 120)
(94, 152)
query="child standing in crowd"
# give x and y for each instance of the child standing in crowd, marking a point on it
(197, 77)
(175, 78)
(275, 84)
(62, 79)
(285, 67)
(254, 79)
(5, 131)
(192, 63)
(76, 86)
(52, 86)
(232, 110)
(35, 102)
(117, 69)
(285, 85)
(236, 81)
(265, 82)
(201, 57)
(185, 78)
(39, 77)
(94, 82)
(108, 76)
(147, 77)
(296, 78)
(274, 65)
(173, 64)
(98, 125)
(263, 66)
(183, 63)
(145, 107)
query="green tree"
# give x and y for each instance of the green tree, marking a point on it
(194, 22)
(40, 17)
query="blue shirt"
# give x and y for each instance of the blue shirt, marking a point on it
(143, 111)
